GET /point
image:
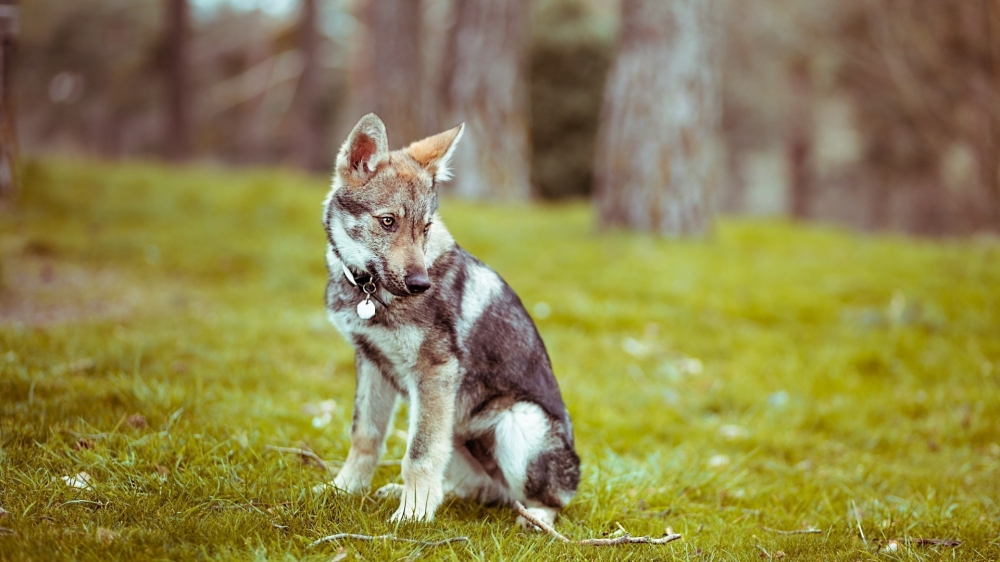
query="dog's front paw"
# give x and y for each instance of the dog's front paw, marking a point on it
(323, 487)
(411, 512)
(417, 505)
(348, 481)
(389, 491)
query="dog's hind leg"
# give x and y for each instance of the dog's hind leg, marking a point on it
(553, 475)
(538, 463)
(467, 478)
(374, 403)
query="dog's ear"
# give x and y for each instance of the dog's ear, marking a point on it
(434, 153)
(365, 148)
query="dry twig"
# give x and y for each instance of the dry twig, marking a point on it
(340, 536)
(935, 542)
(518, 507)
(629, 539)
(313, 457)
(940, 542)
(305, 454)
(624, 539)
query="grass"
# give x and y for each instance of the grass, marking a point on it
(774, 377)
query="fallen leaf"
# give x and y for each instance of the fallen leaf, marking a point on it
(691, 366)
(80, 481)
(634, 347)
(718, 460)
(732, 432)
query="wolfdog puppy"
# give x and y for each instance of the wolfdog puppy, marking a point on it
(434, 326)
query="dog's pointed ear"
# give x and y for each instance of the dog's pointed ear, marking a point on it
(365, 148)
(434, 153)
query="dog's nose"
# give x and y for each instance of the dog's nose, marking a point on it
(417, 284)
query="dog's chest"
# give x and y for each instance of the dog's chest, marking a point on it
(399, 344)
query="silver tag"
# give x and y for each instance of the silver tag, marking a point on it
(366, 309)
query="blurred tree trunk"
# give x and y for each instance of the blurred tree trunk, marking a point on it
(485, 85)
(986, 95)
(177, 79)
(880, 215)
(925, 80)
(307, 143)
(800, 139)
(657, 156)
(387, 69)
(8, 126)
(988, 150)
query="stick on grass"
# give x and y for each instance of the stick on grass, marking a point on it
(341, 536)
(629, 539)
(305, 454)
(936, 542)
(624, 539)
(518, 507)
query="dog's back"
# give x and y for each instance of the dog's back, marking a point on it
(448, 335)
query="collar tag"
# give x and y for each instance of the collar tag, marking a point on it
(366, 308)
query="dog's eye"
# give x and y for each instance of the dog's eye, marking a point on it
(387, 222)
(427, 228)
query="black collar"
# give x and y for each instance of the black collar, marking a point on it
(364, 282)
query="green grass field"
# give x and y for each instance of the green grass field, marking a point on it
(160, 328)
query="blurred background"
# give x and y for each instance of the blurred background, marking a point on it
(879, 114)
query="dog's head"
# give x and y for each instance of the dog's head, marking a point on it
(381, 210)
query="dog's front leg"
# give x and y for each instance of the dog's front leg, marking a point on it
(429, 445)
(374, 402)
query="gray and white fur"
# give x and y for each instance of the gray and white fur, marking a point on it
(449, 336)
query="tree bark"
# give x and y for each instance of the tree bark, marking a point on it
(307, 143)
(925, 77)
(986, 88)
(657, 159)
(387, 69)
(177, 79)
(800, 140)
(8, 126)
(484, 85)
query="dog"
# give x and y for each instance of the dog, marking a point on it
(433, 326)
